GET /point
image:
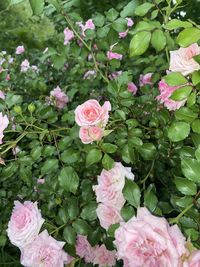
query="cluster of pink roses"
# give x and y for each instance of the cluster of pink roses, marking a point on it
(97, 255)
(109, 194)
(92, 119)
(58, 98)
(36, 249)
(181, 61)
(149, 241)
(129, 24)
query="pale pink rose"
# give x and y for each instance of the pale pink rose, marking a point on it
(108, 215)
(44, 251)
(146, 240)
(111, 55)
(20, 50)
(59, 97)
(194, 259)
(84, 249)
(41, 181)
(89, 74)
(145, 79)
(2, 95)
(89, 25)
(114, 75)
(91, 113)
(165, 93)
(123, 34)
(104, 257)
(25, 65)
(68, 36)
(3, 125)
(132, 88)
(115, 177)
(25, 223)
(129, 22)
(89, 134)
(181, 60)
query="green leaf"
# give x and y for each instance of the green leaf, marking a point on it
(196, 126)
(93, 156)
(147, 151)
(112, 229)
(37, 6)
(14, 2)
(191, 169)
(36, 152)
(127, 212)
(178, 131)
(69, 179)
(175, 78)
(107, 162)
(132, 194)
(49, 166)
(139, 43)
(176, 23)
(89, 211)
(70, 156)
(82, 227)
(143, 9)
(188, 36)
(73, 208)
(197, 153)
(112, 14)
(191, 99)
(129, 9)
(69, 235)
(196, 77)
(158, 40)
(150, 198)
(109, 148)
(185, 186)
(197, 58)
(185, 114)
(144, 26)
(99, 20)
(181, 93)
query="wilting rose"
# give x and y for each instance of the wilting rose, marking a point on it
(25, 223)
(149, 241)
(59, 97)
(91, 113)
(181, 60)
(44, 251)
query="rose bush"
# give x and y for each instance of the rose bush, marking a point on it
(100, 134)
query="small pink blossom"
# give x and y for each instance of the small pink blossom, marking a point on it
(115, 74)
(20, 50)
(25, 223)
(89, 74)
(132, 88)
(145, 79)
(181, 60)
(91, 113)
(111, 55)
(2, 95)
(89, 25)
(84, 249)
(129, 22)
(25, 65)
(3, 125)
(41, 181)
(89, 134)
(165, 93)
(8, 77)
(59, 97)
(104, 257)
(68, 36)
(44, 251)
(123, 34)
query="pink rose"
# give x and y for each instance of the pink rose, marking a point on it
(89, 134)
(132, 88)
(89, 74)
(84, 249)
(44, 251)
(89, 25)
(8, 77)
(2, 95)
(61, 99)
(111, 55)
(25, 65)
(3, 125)
(181, 60)
(129, 22)
(24, 224)
(165, 93)
(68, 36)
(40, 181)
(194, 259)
(91, 113)
(149, 241)
(145, 79)
(104, 257)
(123, 34)
(19, 50)
(108, 215)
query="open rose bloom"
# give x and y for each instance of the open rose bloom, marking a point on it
(181, 60)
(149, 241)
